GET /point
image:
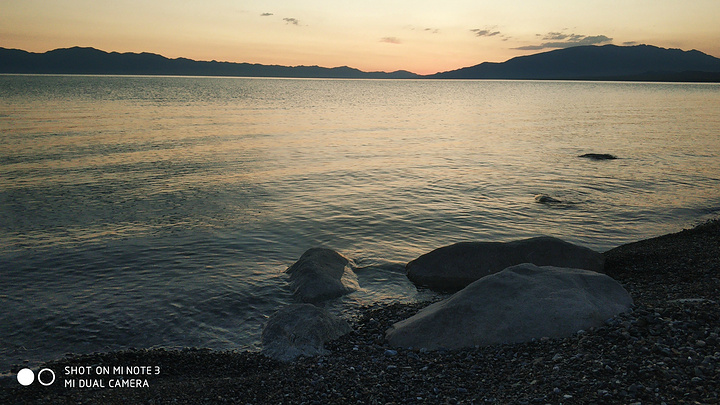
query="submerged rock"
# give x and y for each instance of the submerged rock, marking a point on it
(321, 274)
(451, 268)
(518, 304)
(300, 330)
(546, 199)
(598, 156)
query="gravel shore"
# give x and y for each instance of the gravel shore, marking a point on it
(667, 350)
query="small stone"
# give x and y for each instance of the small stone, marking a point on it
(391, 353)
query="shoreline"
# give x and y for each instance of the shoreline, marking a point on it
(666, 350)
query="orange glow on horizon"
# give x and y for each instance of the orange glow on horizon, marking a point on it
(374, 36)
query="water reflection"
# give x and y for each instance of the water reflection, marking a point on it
(162, 211)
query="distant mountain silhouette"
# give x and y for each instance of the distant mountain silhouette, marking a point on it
(607, 62)
(79, 60)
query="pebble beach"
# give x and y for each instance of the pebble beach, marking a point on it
(666, 350)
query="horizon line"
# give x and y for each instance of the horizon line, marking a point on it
(686, 76)
(335, 67)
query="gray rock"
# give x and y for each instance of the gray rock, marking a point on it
(300, 330)
(518, 304)
(451, 268)
(321, 274)
(546, 199)
(598, 156)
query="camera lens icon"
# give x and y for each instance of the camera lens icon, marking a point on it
(45, 377)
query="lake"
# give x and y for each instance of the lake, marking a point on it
(162, 211)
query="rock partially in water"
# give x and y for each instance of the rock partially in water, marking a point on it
(518, 304)
(451, 268)
(321, 274)
(546, 199)
(598, 156)
(300, 330)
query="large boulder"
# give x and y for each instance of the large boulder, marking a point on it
(451, 268)
(517, 304)
(321, 274)
(300, 330)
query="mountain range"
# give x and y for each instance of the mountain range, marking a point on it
(607, 62)
(79, 60)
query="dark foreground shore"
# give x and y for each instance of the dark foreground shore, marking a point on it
(666, 351)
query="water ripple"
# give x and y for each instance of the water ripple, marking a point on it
(163, 211)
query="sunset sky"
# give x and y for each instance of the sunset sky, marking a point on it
(420, 35)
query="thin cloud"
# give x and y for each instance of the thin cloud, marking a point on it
(485, 32)
(428, 30)
(630, 43)
(556, 36)
(266, 14)
(391, 40)
(559, 36)
(560, 40)
(293, 21)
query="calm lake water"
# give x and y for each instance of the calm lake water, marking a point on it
(162, 211)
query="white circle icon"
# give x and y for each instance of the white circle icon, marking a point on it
(25, 377)
(46, 383)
